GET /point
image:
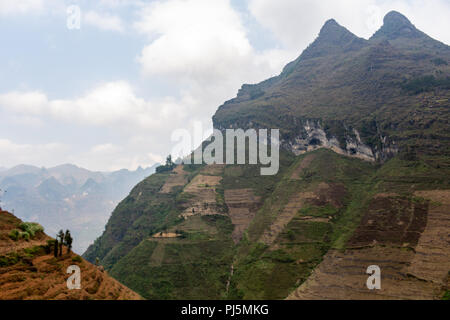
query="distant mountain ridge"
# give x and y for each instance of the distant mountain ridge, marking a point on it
(67, 196)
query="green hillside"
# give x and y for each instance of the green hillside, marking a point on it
(364, 174)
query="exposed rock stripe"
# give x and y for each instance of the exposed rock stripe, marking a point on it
(295, 203)
(303, 165)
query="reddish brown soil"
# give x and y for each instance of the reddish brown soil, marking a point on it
(408, 240)
(42, 276)
(329, 193)
(391, 220)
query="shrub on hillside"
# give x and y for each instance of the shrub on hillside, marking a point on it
(77, 259)
(425, 84)
(26, 231)
(14, 234)
(31, 228)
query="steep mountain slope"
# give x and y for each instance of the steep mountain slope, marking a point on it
(29, 270)
(364, 174)
(368, 98)
(67, 195)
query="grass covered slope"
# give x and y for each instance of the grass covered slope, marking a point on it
(316, 205)
(235, 234)
(319, 203)
(29, 270)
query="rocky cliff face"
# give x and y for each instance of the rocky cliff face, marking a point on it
(314, 137)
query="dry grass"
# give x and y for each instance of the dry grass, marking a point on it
(42, 276)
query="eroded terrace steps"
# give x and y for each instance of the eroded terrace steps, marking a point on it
(178, 178)
(413, 254)
(242, 206)
(202, 191)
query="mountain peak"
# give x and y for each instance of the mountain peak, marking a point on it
(396, 25)
(395, 17)
(329, 26)
(333, 38)
(334, 32)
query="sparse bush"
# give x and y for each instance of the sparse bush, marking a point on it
(77, 259)
(439, 62)
(24, 235)
(14, 234)
(169, 166)
(291, 235)
(31, 228)
(425, 84)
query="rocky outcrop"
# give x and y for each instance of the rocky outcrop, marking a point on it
(307, 135)
(313, 136)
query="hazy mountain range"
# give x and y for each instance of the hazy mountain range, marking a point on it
(67, 197)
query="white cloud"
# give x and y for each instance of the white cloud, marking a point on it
(12, 153)
(297, 22)
(112, 157)
(120, 3)
(145, 126)
(104, 21)
(109, 104)
(20, 6)
(200, 41)
(12, 8)
(200, 50)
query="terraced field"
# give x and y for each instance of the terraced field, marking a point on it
(407, 239)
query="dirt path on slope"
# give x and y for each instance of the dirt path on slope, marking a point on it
(242, 206)
(178, 178)
(303, 165)
(157, 256)
(291, 209)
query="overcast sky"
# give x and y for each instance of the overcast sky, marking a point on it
(109, 95)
